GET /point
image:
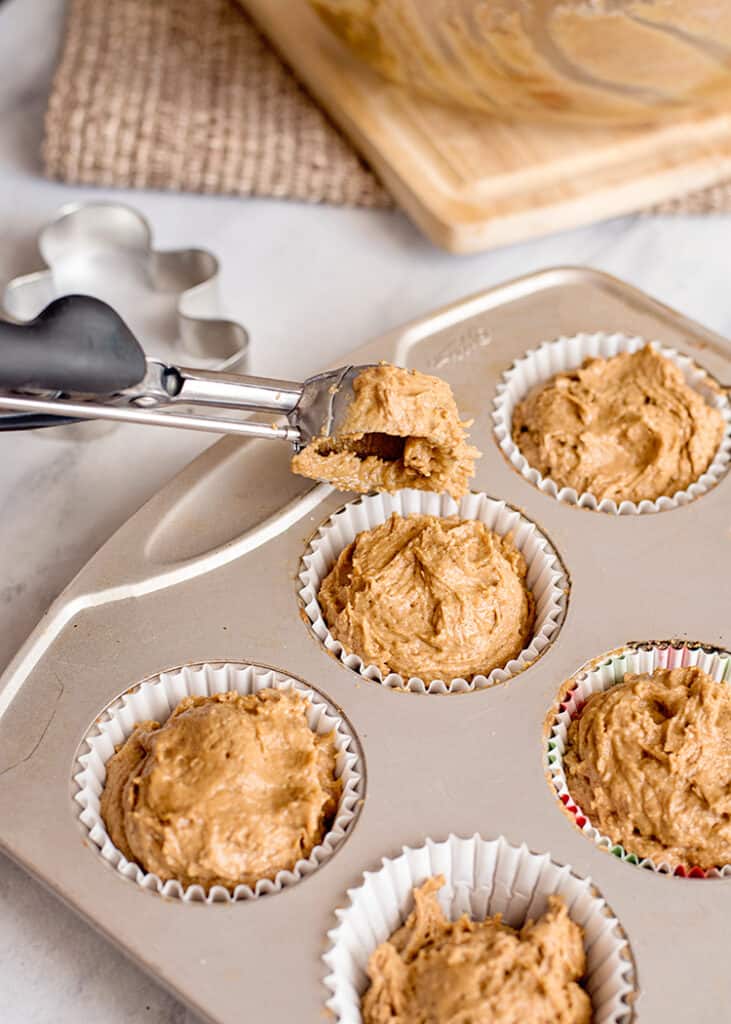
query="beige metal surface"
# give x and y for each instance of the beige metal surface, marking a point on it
(207, 570)
(471, 182)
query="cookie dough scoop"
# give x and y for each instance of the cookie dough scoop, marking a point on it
(79, 360)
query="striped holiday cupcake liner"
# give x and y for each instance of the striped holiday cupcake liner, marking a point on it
(602, 675)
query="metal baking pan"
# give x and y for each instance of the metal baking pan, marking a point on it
(207, 571)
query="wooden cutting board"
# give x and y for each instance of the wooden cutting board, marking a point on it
(471, 183)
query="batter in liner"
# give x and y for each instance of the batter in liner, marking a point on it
(229, 790)
(626, 428)
(649, 762)
(433, 971)
(402, 429)
(438, 598)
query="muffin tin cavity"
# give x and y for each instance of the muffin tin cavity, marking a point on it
(546, 578)
(155, 698)
(601, 674)
(483, 877)
(538, 365)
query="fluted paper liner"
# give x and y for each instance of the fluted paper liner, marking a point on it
(155, 699)
(602, 675)
(546, 577)
(552, 357)
(482, 877)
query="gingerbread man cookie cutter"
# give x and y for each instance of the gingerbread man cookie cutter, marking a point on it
(79, 230)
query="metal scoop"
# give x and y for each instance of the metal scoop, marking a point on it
(79, 360)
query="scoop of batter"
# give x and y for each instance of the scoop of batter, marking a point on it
(402, 429)
(627, 428)
(649, 762)
(438, 598)
(229, 790)
(433, 971)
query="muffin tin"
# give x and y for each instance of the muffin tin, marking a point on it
(208, 572)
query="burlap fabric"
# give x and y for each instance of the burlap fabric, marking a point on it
(187, 95)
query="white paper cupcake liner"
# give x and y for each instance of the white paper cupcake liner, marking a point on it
(155, 699)
(552, 357)
(546, 577)
(483, 877)
(601, 675)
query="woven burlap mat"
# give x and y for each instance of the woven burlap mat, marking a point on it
(187, 95)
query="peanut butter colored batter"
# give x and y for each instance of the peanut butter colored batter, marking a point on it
(433, 971)
(649, 762)
(627, 428)
(402, 429)
(229, 790)
(437, 598)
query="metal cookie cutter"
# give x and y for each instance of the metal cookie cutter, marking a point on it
(204, 336)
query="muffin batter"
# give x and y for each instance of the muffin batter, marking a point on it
(649, 762)
(229, 790)
(433, 971)
(438, 598)
(402, 429)
(627, 428)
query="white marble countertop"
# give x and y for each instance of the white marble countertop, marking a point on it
(310, 283)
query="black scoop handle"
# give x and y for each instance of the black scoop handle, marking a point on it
(77, 343)
(34, 420)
